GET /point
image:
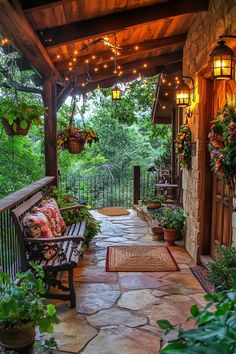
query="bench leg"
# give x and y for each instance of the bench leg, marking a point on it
(72, 289)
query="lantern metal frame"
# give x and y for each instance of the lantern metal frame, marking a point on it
(222, 61)
(184, 87)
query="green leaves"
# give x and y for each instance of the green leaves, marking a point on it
(21, 302)
(215, 331)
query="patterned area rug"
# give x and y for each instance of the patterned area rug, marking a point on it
(114, 211)
(201, 274)
(140, 259)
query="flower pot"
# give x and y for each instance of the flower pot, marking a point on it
(152, 206)
(75, 146)
(18, 339)
(170, 236)
(19, 131)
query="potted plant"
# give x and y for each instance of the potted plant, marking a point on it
(153, 202)
(22, 309)
(172, 221)
(74, 139)
(17, 116)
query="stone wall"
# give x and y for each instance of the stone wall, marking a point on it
(202, 38)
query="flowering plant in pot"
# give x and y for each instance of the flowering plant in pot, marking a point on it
(17, 116)
(172, 221)
(222, 144)
(22, 309)
(74, 139)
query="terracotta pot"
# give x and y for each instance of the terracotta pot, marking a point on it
(18, 339)
(170, 236)
(74, 146)
(19, 131)
(153, 205)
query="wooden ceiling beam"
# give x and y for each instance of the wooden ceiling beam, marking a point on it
(111, 81)
(129, 66)
(128, 50)
(118, 21)
(35, 5)
(16, 27)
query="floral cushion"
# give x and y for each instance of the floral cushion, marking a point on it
(52, 212)
(36, 225)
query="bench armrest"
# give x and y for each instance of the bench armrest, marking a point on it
(72, 207)
(54, 239)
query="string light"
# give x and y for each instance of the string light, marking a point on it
(111, 58)
(83, 84)
(163, 81)
(145, 65)
(58, 56)
(118, 67)
(166, 94)
(70, 63)
(70, 68)
(163, 107)
(176, 78)
(134, 71)
(169, 83)
(96, 69)
(74, 59)
(136, 47)
(75, 52)
(66, 78)
(105, 66)
(93, 56)
(86, 61)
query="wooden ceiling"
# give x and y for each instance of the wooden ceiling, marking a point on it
(65, 38)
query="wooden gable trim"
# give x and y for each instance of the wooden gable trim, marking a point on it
(15, 26)
(114, 22)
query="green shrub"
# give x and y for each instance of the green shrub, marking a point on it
(223, 268)
(215, 331)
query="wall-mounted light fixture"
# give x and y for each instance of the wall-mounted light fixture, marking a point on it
(183, 93)
(222, 61)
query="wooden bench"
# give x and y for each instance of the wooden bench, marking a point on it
(68, 250)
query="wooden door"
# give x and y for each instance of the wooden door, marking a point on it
(221, 231)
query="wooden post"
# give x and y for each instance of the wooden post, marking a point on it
(137, 184)
(173, 155)
(50, 128)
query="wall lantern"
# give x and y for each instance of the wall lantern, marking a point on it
(116, 93)
(222, 61)
(183, 93)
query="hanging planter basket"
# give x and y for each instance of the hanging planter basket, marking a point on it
(17, 131)
(75, 146)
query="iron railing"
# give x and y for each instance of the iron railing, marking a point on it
(102, 191)
(9, 247)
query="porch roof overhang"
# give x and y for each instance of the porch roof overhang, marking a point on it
(56, 38)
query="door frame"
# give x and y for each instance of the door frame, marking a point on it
(206, 107)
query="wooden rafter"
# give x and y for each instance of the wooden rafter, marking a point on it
(128, 50)
(110, 81)
(138, 65)
(117, 21)
(39, 4)
(17, 28)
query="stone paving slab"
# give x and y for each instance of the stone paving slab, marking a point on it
(117, 312)
(123, 340)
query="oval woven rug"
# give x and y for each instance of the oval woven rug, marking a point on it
(114, 211)
(140, 259)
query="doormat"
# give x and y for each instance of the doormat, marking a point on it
(140, 259)
(114, 211)
(201, 273)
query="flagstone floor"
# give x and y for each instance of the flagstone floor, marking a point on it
(116, 312)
